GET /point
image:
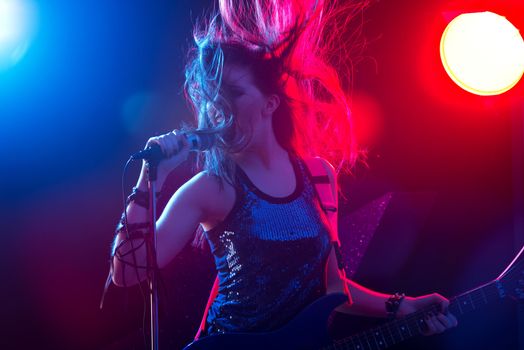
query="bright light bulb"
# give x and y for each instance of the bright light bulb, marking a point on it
(483, 53)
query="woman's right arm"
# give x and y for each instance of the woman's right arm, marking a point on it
(176, 225)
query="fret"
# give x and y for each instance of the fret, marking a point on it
(371, 342)
(473, 307)
(375, 339)
(388, 327)
(359, 345)
(483, 295)
(367, 341)
(341, 346)
(492, 292)
(500, 289)
(420, 324)
(463, 303)
(403, 327)
(379, 338)
(458, 304)
(466, 304)
(412, 326)
(354, 345)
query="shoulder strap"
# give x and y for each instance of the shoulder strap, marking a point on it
(328, 194)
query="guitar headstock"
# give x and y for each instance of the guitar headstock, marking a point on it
(512, 278)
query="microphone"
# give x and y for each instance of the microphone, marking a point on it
(196, 143)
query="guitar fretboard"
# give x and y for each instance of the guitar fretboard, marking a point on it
(393, 332)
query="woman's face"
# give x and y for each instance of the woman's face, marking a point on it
(246, 100)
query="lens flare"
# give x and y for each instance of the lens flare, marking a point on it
(483, 53)
(17, 23)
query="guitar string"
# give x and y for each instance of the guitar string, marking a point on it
(413, 320)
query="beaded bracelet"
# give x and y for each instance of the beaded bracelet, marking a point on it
(393, 304)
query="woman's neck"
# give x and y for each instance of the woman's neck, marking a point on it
(263, 153)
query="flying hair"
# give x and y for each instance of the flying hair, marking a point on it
(294, 49)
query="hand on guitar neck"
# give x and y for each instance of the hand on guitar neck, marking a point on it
(436, 322)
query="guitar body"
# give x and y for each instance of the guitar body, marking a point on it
(308, 330)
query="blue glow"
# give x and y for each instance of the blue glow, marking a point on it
(17, 25)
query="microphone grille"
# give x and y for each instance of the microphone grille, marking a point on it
(200, 142)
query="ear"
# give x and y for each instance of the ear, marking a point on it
(272, 103)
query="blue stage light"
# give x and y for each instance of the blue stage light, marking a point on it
(17, 26)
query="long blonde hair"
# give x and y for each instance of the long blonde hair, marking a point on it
(292, 49)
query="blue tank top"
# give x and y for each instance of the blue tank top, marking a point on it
(270, 255)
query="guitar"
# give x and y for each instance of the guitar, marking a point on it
(308, 330)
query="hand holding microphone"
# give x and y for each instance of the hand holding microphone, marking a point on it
(172, 149)
(158, 150)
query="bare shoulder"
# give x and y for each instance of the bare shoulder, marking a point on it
(201, 183)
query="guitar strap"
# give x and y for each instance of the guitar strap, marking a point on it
(329, 200)
(328, 195)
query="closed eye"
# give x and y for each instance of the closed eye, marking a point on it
(232, 91)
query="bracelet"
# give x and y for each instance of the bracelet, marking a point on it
(393, 304)
(139, 197)
(121, 226)
(134, 231)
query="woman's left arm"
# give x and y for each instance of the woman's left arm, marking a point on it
(367, 302)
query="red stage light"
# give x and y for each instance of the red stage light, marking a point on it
(483, 53)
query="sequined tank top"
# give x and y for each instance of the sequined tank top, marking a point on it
(270, 255)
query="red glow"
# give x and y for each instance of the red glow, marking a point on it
(433, 77)
(367, 119)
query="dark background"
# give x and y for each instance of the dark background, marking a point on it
(102, 77)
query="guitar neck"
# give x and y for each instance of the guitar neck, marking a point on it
(396, 331)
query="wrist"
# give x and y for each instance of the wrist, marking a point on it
(393, 304)
(140, 197)
(142, 183)
(406, 307)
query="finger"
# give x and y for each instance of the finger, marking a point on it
(174, 136)
(453, 319)
(434, 326)
(170, 145)
(439, 326)
(444, 305)
(151, 141)
(178, 141)
(164, 146)
(444, 320)
(173, 143)
(181, 142)
(437, 298)
(157, 140)
(428, 325)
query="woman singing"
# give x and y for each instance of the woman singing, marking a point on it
(262, 83)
